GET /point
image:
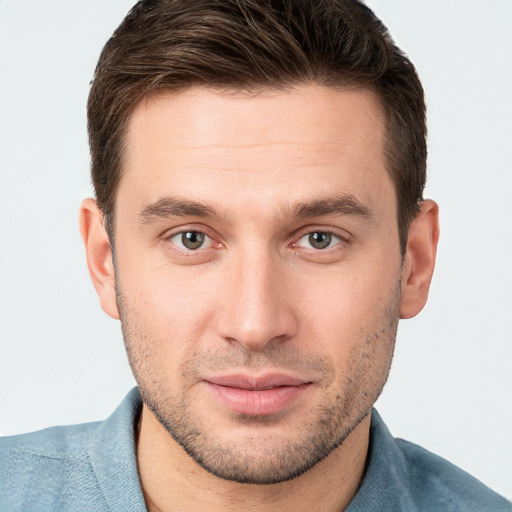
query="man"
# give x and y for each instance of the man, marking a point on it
(259, 229)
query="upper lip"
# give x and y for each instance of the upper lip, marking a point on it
(256, 382)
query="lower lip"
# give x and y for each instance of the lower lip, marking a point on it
(257, 403)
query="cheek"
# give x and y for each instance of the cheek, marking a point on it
(358, 330)
(165, 310)
(165, 291)
(354, 322)
(348, 301)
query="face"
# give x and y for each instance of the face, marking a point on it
(258, 272)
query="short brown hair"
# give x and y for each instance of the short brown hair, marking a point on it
(250, 44)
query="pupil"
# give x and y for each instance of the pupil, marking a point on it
(192, 239)
(320, 240)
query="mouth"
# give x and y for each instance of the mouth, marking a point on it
(257, 396)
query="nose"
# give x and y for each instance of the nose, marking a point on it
(258, 306)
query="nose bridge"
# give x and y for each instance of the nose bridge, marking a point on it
(256, 306)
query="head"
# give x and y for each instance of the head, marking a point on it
(259, 167)
(250, 45)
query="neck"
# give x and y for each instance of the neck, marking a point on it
(172, 480)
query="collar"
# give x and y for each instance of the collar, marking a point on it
(113, 458)
(385, 484)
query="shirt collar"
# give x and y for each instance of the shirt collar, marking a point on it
(385, 484)
(112, 454)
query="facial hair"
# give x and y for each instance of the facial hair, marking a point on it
(262, 456)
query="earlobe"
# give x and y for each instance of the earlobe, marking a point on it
(419, 259)
(99, 255)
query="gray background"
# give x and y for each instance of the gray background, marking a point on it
(62, 359)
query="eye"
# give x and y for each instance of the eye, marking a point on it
(191, 240)
(318, 240)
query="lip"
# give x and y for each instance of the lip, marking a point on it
(257, 395)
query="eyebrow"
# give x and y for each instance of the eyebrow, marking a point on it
(344, 204)
(174, 207)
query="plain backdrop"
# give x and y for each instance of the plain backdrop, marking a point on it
(62, 359)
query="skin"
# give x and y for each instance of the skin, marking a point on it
(263, 172)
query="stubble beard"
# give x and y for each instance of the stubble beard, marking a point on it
(262, 458)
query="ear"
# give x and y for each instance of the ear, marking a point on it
(419, 259)
(99, 255)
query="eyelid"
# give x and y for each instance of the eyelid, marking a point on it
(318, 231)
(205, 244)
(168, 235)
(343, 235)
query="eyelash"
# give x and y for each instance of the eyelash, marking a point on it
(343, 240)
(185, 251)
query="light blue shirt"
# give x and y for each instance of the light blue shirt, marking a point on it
(92, 467)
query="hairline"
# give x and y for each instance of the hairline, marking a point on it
(109, 217)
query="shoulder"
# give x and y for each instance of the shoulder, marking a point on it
(54, 443)
(89, 467)
(41, 470)
(444, 486)
(403, 477)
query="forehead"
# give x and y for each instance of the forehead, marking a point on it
(268, 145)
